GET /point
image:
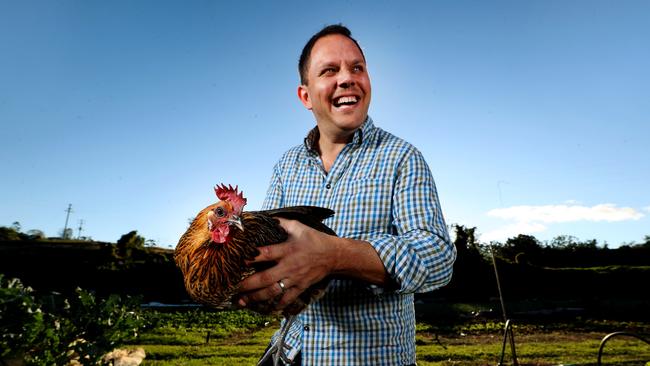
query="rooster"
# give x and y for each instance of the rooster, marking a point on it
(214, 253)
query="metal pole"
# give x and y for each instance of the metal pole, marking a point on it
(508, 324)
(496, 273)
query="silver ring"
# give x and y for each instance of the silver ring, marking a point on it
(283, 287)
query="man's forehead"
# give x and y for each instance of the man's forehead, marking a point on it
(334, 47)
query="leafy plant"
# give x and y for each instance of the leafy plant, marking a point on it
(21, 317)
(55, 330)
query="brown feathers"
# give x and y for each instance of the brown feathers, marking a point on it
(212, 271)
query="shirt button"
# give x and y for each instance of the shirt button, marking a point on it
(306, 328)
(328, 186)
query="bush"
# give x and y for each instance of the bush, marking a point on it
(55, 330)
(7, 233)
(21, 318)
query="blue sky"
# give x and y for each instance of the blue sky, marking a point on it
(533, 115)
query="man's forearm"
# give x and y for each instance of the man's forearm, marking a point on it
(360, 260)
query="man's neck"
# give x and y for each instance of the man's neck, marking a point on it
(328, 152)
(330, 145)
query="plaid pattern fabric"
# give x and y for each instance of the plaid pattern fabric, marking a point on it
(382, 192)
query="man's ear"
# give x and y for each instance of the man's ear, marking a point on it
(303, 95)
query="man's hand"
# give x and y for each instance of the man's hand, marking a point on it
(306, 257)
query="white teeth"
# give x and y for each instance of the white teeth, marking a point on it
(343, 100)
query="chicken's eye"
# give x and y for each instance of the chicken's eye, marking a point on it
(220, 212)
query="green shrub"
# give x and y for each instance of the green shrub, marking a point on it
(54, 330)
(21, 318)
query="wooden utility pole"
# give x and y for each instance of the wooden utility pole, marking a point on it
(81, 224)
(65, 228)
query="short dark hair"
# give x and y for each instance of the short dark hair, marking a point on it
(303, 63)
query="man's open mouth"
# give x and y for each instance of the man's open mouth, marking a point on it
(346, 100)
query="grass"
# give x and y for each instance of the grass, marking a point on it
(170, 346)
(239, 338)
(554, 348)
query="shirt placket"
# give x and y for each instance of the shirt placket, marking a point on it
(312, 334)
(338, 170)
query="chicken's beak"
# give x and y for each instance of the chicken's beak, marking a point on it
(236, 220)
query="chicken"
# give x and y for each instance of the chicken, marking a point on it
(124, 357)
(213, 253)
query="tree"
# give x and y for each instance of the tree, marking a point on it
(466, 240)
(470, 267)
(521, 244)
(16, 226)
(36, 234)
(129, 242)
(7, 233)
(564, 242)
(66, 233)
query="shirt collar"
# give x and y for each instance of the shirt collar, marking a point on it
(362, 134)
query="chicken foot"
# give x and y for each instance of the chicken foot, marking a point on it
(277, 349)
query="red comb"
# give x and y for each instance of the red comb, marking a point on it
(230, 194)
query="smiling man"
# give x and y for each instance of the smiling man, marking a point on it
(392, 242)
(336, 88)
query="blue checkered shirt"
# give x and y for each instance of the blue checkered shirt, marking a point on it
(382, 192)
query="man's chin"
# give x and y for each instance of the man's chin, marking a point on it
(350, 120)
(350, 125)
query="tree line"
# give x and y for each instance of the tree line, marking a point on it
(560, 252)
(529, 269)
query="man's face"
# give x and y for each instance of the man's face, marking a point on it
(338, 85)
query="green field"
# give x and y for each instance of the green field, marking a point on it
(239, 338)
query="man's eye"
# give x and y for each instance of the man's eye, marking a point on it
(220, 212)
(328, 71)
(357, 68)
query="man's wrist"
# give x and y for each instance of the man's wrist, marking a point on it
(357, 259)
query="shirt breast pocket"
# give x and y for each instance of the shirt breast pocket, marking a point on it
(370, 206)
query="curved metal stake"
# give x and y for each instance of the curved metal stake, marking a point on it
(508, 332)
(616, 334)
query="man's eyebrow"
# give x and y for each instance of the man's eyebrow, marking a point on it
(323, 64)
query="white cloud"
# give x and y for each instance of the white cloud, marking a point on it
(567, 213)
(512, 230)
(572, 202)
(533, 219)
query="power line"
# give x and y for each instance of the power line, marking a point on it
(499, 182)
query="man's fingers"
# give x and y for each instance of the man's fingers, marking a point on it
(289, 297)
(270, 253)
(276, 289)
(264, 294)
(260, 280)
(284, 223)
(273, 292)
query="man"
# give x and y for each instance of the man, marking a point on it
(392, 241)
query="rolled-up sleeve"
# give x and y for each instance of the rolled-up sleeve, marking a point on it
(419, 254)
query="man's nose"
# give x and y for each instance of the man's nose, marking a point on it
(346, 78)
